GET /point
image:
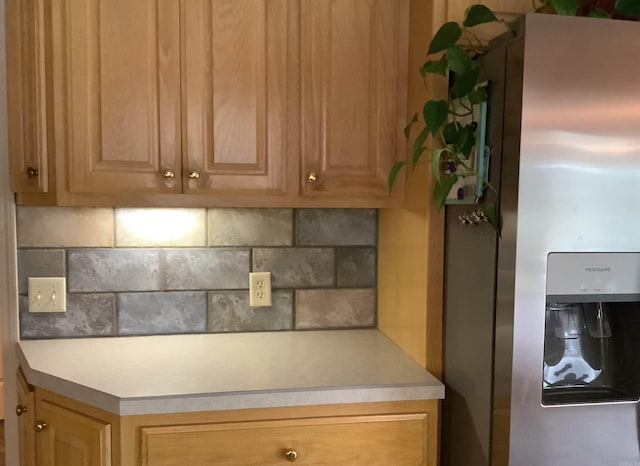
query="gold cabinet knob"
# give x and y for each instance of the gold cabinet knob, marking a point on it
(40, 426)
(290, 455)
(312, 177)
(20, 410)
(168, 174)
(31, 172)
(194, 175)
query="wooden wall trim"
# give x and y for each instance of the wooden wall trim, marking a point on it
(8, 267)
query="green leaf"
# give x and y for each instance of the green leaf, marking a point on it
(450, 132)
(435, 162)
(435, 114)
(447, 35)
(441, 189)
(415, 156)
(565, 7)
(393, 174)
(494, 219)
(458, 59)
(407, 129)
(599, 13)
(418, 147)
(466, 82)
(627, 7)
(478, 95)
(478, 14)
(435, 67)
(468, 140)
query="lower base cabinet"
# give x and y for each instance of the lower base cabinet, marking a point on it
(69, 433)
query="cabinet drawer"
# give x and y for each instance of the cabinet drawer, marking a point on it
(400, 440)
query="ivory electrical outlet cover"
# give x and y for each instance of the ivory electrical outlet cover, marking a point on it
(47, 294)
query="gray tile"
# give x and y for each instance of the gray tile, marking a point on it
(206, 269)
(320, 309)
(71, 227)
(87, 315)
(98, 270)
(336, 227)
(160, 227)
(39, 263)
(162, 313)
(356, 267)
(229, 311)
(250, 227)
(296, 267)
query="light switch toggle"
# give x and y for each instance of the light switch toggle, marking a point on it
(47, 294)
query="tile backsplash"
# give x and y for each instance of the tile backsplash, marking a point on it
(165, 271)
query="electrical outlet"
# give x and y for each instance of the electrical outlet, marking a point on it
(259, 289)
(47, 294)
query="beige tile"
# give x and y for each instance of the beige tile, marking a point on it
(64, 227)
(250, 227)
(335, 308)
(160, 227)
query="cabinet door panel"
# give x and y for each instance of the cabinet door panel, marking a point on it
(398, 440)
(235, 94)
(353, 87)
(26, 434)
(27, 95)
(117, 84)
(72, 439)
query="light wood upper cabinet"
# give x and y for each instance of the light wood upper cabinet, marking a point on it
(116, 89)
(71, 438)
(229, 103)
(26, 92)
(236, 89)
(353, 87)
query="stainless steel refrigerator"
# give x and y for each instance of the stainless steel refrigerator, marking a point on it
(542, 323)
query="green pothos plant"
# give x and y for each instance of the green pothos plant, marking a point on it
(452, 122)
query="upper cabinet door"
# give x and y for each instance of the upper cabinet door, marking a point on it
(235, 96)
(353, 90)
(116, 72)
(27, 95)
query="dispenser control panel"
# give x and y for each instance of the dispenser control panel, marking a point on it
(593, 273)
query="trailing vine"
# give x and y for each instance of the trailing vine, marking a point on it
(452, 123)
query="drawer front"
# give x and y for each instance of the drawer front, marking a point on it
(399, 440)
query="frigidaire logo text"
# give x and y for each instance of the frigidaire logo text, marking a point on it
(597, 269)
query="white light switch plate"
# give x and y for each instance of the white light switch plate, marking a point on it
(47, 294)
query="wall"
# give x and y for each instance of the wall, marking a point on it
(411, 239)
(162, 271)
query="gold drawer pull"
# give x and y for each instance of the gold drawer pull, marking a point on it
(194, 175)
(20, 410)
(291, 455)
(312, 177)
(168, 174)
(40, 426)
(31, 172)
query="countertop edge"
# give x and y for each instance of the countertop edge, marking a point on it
(272, 398)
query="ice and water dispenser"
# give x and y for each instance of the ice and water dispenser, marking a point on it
(592, 329)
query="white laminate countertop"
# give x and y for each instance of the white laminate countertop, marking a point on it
(178, 373)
